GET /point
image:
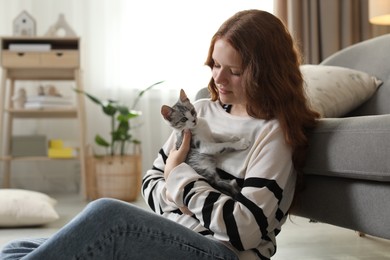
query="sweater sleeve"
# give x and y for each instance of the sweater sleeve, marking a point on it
(153, 183)
(254, 217)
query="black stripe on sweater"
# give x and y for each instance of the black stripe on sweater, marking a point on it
(208, 207)
(150, 203)
(270, 184)
(279, 215)
(206, 232)
(188, 188)
(157, 169)
(231, 225)
(260, 255)
(163, 155)
(177, 211)
(150, 198)
(145, 182)
(257, 213)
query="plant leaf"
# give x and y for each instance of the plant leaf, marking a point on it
(92, 98)
(109, 109)
(122, 130)
(128, 116)
(141, 93)
(136, 141)
(101, 141)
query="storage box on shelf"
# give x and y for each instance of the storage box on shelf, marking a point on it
(39, 58)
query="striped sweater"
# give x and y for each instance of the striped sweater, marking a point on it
(248, 223)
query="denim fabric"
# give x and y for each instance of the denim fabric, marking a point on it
(111, 229)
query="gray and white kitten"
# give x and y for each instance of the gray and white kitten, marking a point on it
(204, 143)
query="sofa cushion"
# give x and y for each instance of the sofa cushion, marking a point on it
(353, 147)
(334, 91)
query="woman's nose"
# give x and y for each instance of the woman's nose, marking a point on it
(220, 77)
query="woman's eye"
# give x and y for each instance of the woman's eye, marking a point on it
(236, 73)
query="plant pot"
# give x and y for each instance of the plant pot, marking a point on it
(116, 177)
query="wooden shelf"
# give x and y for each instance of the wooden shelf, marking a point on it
(61, 61)
(37, 158)
(57, 43)
(43, 113)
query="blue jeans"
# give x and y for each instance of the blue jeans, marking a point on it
(110, 229)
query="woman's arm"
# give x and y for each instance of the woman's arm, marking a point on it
(153, 183)
(154, 186)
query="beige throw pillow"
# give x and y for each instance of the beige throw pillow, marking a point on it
(25, 208)
(334, 91)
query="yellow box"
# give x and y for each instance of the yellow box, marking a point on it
(62, 152)
(56, 143)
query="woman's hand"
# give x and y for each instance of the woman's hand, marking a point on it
(176, 157)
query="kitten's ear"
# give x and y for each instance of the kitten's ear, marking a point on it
(166, 112)
(183, 96)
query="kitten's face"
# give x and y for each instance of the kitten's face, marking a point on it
(182, 115)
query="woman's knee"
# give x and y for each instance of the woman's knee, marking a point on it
(107, 208)
(103, 205)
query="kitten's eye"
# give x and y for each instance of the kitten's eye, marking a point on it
(193, 112)
(184, 119)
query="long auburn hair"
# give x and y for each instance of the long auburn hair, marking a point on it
(272, 80)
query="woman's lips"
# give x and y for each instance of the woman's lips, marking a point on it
(223, 91)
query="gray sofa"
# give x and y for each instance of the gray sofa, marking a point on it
(347, 173)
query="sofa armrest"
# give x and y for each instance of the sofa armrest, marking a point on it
(351, 147)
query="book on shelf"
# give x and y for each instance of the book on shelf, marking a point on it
(53, 99)
(22, 47)
(41, 102)
(43, 105)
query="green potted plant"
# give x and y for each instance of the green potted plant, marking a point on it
(116, 174)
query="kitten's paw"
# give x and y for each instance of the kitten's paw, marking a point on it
(242, 144)
(234, 139)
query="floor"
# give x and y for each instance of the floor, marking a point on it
(299, 238)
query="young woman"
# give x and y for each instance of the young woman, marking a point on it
(257, 94)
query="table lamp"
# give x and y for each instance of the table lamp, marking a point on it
(379, 12)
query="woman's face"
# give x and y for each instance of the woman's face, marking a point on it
(227, 74)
